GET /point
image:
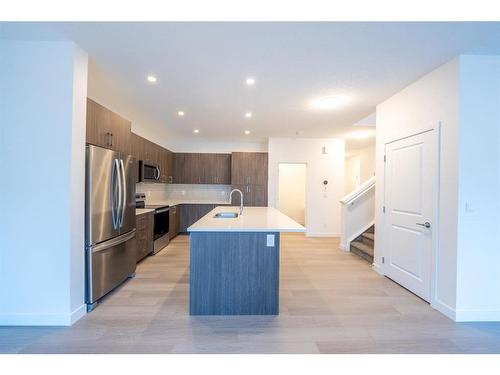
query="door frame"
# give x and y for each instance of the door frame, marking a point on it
(436, 132)
(306, 187)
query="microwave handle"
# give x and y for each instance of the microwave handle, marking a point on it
(157, 177)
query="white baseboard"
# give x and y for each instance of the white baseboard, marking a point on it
(477, 316)
(43, 319)
(376, 267)
(322, 234)
(444, 309)
(78, 313)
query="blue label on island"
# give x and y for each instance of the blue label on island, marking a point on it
(234, 273)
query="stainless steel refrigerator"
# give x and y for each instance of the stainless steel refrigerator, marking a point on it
(110, 244)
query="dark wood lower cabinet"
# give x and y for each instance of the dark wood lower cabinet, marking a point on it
(253, 195)
(174, 221)
(191, 213)
(144, 235)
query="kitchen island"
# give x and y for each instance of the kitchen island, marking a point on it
(234, 262)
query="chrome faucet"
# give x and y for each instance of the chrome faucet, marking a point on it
(241, 198)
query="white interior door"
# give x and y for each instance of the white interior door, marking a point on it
(410, 187)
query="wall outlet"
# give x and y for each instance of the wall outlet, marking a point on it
(270, 240)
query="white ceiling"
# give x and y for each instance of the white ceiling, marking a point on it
(201, 68)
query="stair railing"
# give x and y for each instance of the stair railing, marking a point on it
(357, 212)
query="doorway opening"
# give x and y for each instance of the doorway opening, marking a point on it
(292, 190)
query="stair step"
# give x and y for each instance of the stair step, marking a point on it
(371, 229)
(362, 254)
(363, 247)
(369, 235)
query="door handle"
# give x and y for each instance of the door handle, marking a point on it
(124, 185)
(117, 190)
(425, 225)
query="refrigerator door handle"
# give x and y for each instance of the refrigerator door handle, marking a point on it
(113, 242)
(120, 195)
(114, 192)
(124, 192)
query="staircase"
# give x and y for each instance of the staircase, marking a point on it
(363, 244)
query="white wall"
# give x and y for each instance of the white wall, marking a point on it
(478, 253)
(359, 167)
(352, 171)
(322, 206)
(464, 97)
(194, 144)
(42, 159)
(366, 163)
(292, 191)
(431, 100)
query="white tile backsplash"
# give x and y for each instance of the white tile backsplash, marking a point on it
(162, 192)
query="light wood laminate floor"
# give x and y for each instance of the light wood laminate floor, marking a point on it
(331, 302)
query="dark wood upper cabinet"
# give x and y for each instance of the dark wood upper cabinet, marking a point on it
(136, 146)
(249, 168)
(166, 167)
(222, 169)
(249, 174)
(196, 168)
(144, 149)
(107, 129)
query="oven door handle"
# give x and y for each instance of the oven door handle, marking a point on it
(162, 210)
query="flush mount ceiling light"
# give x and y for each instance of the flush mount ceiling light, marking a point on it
(151, 79)
(330, 102)
(250, 81)
(196, 131)
(247, 132)
(180, 113)
(248, 115)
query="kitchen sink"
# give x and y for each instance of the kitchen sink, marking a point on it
(226, 215)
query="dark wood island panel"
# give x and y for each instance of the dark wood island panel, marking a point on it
(234, 273)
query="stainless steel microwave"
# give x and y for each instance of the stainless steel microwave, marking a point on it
(149, 172)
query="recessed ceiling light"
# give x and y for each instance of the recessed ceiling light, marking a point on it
(180, 113)
(248, 115)
(151, 79)
(250, 81)
(196, 131)
(330, 102)
(247, 132)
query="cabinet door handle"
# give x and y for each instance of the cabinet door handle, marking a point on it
(111, 139)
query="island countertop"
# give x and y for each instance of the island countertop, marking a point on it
(253, 219)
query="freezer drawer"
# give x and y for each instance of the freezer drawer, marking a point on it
(108, 265)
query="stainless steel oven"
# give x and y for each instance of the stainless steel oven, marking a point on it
(149, 172)
(161, 222)
(161, 227)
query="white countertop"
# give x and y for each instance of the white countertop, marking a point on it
(140, 211)
(253, 219)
